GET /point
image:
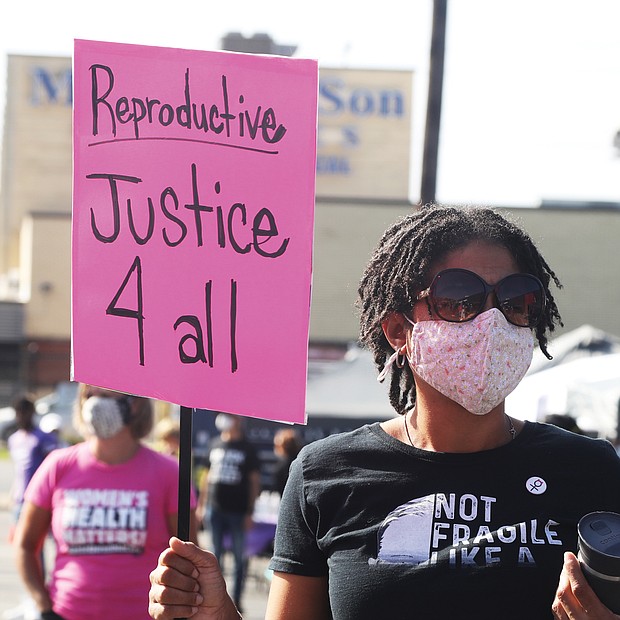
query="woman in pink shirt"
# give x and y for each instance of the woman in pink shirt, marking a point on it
(111, 503)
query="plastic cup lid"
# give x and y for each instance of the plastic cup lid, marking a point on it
(599, 542)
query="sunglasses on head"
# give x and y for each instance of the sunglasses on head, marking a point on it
(459, 295)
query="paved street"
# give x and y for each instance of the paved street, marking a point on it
(13, 595)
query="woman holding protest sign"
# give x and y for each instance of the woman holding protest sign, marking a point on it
(454, 509)
(111, 503)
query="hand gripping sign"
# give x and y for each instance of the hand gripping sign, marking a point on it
(193, 210)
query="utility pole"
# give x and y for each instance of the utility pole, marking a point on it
(428, 184)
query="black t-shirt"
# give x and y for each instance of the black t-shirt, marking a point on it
(230, 464)
(405, 533)
(280, 473)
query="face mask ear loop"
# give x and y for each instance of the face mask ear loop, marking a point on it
(393, 359)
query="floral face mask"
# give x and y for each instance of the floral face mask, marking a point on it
(476, 363)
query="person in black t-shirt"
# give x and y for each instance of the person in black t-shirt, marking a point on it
(453, 509)
(231, 487)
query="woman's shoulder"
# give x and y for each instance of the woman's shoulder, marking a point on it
(545, 435)
(340, 445)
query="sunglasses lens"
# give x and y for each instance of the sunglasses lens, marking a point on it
(520, 298)
(457, 295)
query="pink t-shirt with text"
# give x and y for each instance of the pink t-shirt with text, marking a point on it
(110, 524)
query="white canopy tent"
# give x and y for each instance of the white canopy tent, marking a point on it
(587, 388)
(585, 341)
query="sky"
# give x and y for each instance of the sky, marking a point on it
(531, 99)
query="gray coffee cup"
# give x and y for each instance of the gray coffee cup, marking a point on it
(599, 555)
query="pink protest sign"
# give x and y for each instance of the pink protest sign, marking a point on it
(193, 209)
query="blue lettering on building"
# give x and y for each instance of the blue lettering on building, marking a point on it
(332, 164)
(51, 87)
(341, 136)
(338, 98)
(335, 97)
